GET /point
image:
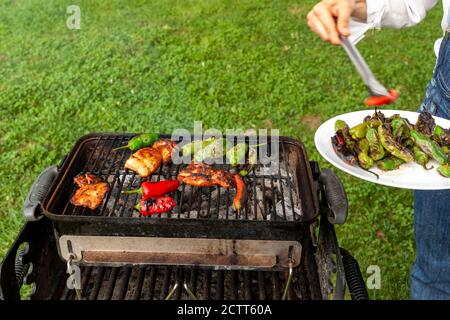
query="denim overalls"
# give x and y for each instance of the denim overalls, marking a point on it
(430, 277)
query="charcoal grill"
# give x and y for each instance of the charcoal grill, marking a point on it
(302, 268)
(203, 230)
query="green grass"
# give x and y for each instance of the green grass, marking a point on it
(158, 65)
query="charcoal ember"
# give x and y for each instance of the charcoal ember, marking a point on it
(268, 170)
(227, 213)
(257, 212)
(289, 210)
(219, 195)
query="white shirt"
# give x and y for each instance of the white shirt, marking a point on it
(403, 13)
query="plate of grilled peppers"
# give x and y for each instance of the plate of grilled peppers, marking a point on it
(391, 147)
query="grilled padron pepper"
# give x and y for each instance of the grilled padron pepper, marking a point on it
(341, 149)
(400, 130)
(392, 146)
(359, 131)
(376, 120)
(215, 149)
(362, 150)
(444, 170)
(140, 141)
(236, 154)
(155, 189)
(376, 150)
(389, 163)
(342, 126)
(441, 136)
(421, 157)
(430, 147)
(195, 146)
(152, 206)
(252, 160)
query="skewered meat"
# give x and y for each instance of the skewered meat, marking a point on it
(91, 191)
(144, 161)
(165, 147)
(203, 175)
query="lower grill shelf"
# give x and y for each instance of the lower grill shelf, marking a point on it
(155, 283)
(47, 273)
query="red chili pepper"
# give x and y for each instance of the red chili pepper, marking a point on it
(382, 100)
(151, 206)
(241, 193)
(155, 189)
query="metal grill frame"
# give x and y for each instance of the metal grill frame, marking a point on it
(48, 270)
(150, 282)
(188, 228)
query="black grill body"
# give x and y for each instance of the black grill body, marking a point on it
(34, 258)
(313, 279)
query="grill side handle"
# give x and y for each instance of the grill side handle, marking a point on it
(335, 196)
(32, 206)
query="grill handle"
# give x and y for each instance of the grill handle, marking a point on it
(32, 206)
(353, 276)
(335, 196)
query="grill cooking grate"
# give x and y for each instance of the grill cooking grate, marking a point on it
(273, 194)
(155, 283)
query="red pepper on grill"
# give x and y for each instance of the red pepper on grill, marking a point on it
(152, 206)
(241, 193)
(155, 189)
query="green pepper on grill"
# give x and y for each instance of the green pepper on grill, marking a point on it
(140, 141)
(195, 146)
(215, 149)
(236, 154)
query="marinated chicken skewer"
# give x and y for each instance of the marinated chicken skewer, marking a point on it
(203, 175)
(91, 191)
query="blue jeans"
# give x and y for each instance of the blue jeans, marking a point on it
(430, 277)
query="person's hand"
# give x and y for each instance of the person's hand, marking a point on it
(330, 18)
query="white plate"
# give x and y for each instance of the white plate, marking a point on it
(408, 176)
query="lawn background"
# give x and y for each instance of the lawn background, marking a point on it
(158, 65)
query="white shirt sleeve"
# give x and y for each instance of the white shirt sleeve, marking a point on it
(397, 13)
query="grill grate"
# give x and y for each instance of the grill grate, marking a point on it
(155, 283)
(273, 195)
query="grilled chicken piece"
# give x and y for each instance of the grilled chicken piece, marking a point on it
(165, 147)
(87, 178)
(202, 175)
(91, 191)
(145, 161)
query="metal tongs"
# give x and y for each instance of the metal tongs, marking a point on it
(374, 87)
